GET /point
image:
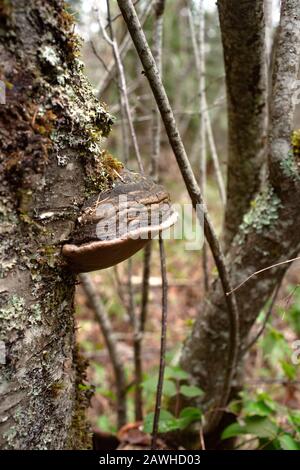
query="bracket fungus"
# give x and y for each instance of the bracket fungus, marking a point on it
(118, 222)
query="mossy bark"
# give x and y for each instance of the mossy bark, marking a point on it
(51, 129)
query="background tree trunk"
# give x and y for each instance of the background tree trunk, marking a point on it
(244, 45)
(51, 130)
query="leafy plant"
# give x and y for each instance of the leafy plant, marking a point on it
(172, 388)
(168, 422)
(261, 417)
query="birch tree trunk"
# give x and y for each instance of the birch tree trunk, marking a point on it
(51, 130)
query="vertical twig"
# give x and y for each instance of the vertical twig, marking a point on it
(131, 305)
(204, 107)
(196, 15)
(202, 441)
(111, 344)
(162, 343)
(266, 319)
(118, 285)
(145, 285)
(137, 352)
(268, 8)
(193, 189)
(159, 7)
(215, 157)
(155, 154)
(125, 143)
(122, 82)
(124, 48)
(156, 131)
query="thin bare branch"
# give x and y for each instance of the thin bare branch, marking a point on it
(145, 285)
(215, 158)
(137, 348)
(157, 55)
(196, 15)
(163, 342)
(261, 271)
(156, 132)
(202, 441)
(122, 83)
(155, 154)
(124, 48)
(102, 318)
(266, 319)
(204, 115)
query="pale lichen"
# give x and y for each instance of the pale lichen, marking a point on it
(263, 213)
(290, 167)
(12, 315)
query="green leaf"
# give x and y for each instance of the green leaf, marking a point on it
(191, 391)
(105, 425)
(150, 386)
(275, 345)
(169, 389)
(150, 383)
(106, 392)
(233, 430)
(191, 411)
(258, 408)
(289, 370)
(259, 426)
(235, 406)
(175, 372)
(167, 422)
(294, 419)
(188, 416)
(288, 443)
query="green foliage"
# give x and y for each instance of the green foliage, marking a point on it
(105, 424)
(278, 353)
(191, 391)
(261, 417)
(168, 422)
(293, 315)
(264, 418)
(172, 389)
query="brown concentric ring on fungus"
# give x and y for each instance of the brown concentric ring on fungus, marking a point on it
(116, 224)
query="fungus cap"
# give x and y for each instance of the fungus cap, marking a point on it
(117, 223)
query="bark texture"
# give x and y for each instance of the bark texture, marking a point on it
(51, 129)
(243, 37)
(268, 234)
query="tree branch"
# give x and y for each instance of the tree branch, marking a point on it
(107, 330)
(163, 340)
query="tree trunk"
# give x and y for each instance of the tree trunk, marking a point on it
(51, 129)
(268, 235)
(243, 38)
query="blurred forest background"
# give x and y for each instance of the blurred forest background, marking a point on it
(272, 382)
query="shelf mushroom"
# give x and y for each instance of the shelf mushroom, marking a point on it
(118, 222)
